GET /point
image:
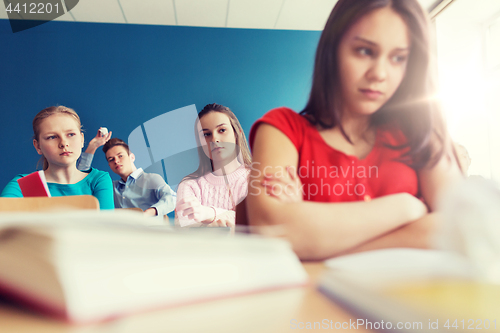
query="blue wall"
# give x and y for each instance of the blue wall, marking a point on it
(120, 76)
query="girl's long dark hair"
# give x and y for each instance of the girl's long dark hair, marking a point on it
(413, 108)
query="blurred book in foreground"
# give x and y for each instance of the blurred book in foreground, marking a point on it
(92, 266)
(34, 185)
(408, 290)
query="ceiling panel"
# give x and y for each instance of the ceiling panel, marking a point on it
(258, 14)
(305, 14)
(204, 13)
(149, 11)
(98, 11)
(261, 14)
(65, 17)
(3, 13)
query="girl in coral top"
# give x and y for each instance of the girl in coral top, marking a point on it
(210, 194)
(362, 165)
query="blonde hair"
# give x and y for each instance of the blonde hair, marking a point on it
(44, 114)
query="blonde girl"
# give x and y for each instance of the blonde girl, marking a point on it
(210, 194)
(58, 138)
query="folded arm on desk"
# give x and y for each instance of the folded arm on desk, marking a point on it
(322, 230)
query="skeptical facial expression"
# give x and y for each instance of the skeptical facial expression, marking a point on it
(60, 140)
(217, 136)
(120, 161)
(372, 58)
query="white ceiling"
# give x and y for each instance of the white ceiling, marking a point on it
(252, 14)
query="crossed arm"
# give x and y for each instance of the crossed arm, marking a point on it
(321, 230)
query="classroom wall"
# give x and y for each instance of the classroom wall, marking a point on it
(119, 76)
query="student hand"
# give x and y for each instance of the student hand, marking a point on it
(286, 188)
(97, 142)
(191, 208)
(419, 234)
(150, 212)
(222, 222)
(413, 207)
(226, 219)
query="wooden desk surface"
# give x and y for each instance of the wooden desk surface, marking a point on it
(276, 311)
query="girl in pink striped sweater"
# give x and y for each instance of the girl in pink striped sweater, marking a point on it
(210, 194)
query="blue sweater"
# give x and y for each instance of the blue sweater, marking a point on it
(96, 183)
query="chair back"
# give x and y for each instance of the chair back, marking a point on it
(241, 213)
(34, 204)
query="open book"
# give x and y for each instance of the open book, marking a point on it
(410, 290)
(34, 185)
(92, 266)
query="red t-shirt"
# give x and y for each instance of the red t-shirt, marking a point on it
(329, 175)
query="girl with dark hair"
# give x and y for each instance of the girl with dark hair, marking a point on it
(362, 165)
(58, 138)
(210, 194)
